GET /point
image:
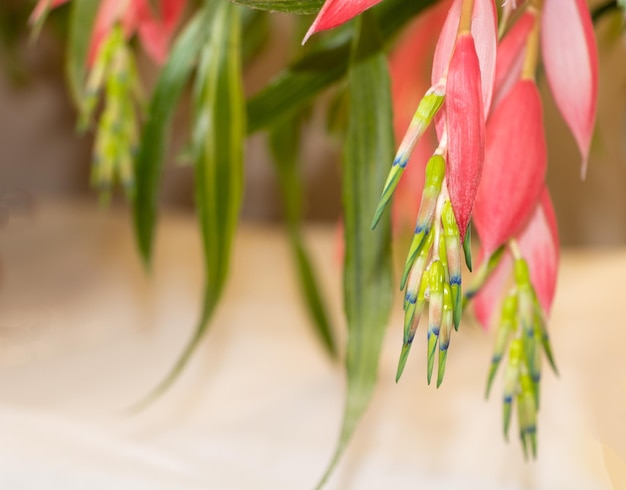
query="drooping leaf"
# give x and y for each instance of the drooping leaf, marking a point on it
(82, 17)
(367, 269)
(217, 140)
(255, 24)
(284, 141)
(301, 7)
(154, 137)
(298, 84)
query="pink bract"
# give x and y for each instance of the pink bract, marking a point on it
(571, 64)
(466, 130)
(335, 12)
(515, 166)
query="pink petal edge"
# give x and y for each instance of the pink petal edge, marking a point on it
(336, 12)
(539, 243)
(571, 64)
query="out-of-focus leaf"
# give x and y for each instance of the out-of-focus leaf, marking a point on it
(298, 84)
(605, 8)
(82, 17)
(255, 24)
(218, 135)
(154, 137)
(288, 6)
(284, 141)
(368, 281)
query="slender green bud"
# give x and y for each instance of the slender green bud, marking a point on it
(506, 328)
(426, 110)
(411, 328)
(445, 332)
(453, 253)
(436, 281)
(511, 381)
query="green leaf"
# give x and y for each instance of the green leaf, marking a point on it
(298, 84)
(284, 140)
(154, 137)
(217, 140)
(257, 28)
(288, 6)
(368, 266)
(82, 18)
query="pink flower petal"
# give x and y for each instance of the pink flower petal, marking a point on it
(571, 63)
(466, 130)
(335, 12)
(484, 32)
(511, 56)
(110, 11)
(515, 166)
(539, 243)
(156, 32)
(488, 300)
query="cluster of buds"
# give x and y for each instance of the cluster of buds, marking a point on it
(115, 76)
(490, 166)
(432, 272)
(521, 329)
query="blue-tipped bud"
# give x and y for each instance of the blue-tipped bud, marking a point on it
(436, 280)
(453, 253)
(445, 332)
(506, 328)
(426, 111)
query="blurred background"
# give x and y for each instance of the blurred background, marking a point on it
(42, 154)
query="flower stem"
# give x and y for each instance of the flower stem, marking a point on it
(532, 45)
(515, 250)
(465, 22)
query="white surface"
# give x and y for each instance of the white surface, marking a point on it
(84, 333)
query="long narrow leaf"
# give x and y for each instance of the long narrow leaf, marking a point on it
(255, 23)
(288, 6)
(82, 18)
(367, 270)
(219, 130)
(154, 137)
(284, 141)
(298, 84)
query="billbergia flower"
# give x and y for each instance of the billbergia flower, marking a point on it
(570, 61)
(112, 74)
(529, 263)
(155, 28)
(490, 166)
(456, 100)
